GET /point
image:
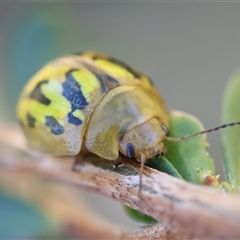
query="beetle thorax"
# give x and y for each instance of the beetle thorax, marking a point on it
(146, 139)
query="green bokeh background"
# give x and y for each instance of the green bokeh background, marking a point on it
(188, 49)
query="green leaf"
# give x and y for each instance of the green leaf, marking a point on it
(189, 156)
(186, 159)
(230, 137)
(163, 165)
(138, 216)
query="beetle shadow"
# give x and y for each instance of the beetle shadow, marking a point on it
(122, 165)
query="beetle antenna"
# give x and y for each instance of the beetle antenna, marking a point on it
(171, 139)
(143, 160)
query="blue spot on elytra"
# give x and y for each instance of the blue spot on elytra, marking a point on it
(74, 120)
(130, 150)
(73, 93)
(54, 125)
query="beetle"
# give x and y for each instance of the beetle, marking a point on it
(96, 102)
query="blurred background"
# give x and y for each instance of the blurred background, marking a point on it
(188, 49)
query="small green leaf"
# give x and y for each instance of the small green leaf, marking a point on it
(189, 156)
(230, 137)
(138, 216)
(163, 165)
(186, 159)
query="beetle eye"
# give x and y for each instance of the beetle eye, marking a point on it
(164, 128)
(130, 150)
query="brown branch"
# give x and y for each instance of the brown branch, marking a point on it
(61, 205)
(184, 210)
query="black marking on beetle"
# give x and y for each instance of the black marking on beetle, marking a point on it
(55, 127)
(73, 93)
(31, 120)
(106, 81)
(124, 65)
(130, 150)
(111, 79)
(37, 94)
(135, 73)
(101, 80)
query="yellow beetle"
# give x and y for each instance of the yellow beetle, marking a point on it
(95, 101)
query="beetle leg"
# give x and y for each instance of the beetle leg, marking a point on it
(142, 161)
(118, 163)
(84, 155)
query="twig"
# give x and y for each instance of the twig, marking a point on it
(62, 205)
(185, 211)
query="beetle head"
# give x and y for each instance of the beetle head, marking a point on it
(145, 139)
